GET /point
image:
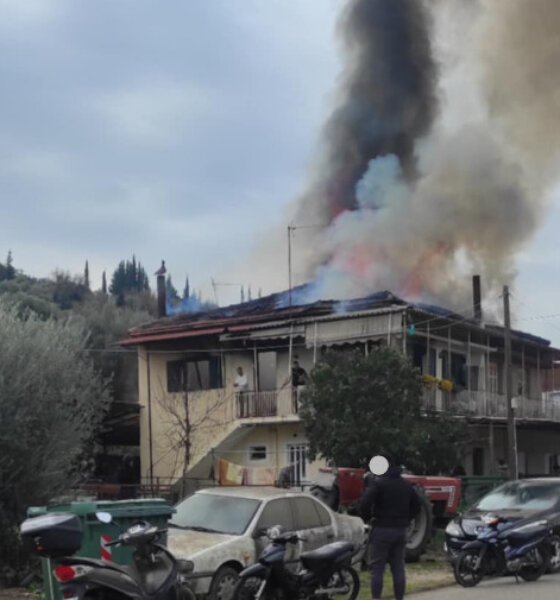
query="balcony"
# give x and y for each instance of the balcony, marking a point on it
(274, 403)
(486, 404)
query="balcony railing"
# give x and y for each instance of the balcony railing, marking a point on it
(273, 403)
(487, 404)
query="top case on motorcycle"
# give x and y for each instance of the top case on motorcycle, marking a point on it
(326, 555)
(518, 538)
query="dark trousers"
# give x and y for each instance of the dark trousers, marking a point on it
(387, 545)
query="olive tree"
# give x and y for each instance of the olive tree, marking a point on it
(51, 402)
(356, 406)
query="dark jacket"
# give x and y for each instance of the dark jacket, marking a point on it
(391, 500)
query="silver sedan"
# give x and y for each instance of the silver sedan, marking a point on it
(222, 530)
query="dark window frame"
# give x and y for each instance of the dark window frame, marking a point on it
(177, 372)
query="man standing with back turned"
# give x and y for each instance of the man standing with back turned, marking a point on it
(393, 503)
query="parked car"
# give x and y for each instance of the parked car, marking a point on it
(524, 501)
(222, 530)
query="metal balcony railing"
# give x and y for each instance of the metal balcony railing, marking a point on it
(488, 404)
(273, 403)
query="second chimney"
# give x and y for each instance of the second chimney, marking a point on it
(477, 301)
(161, 295)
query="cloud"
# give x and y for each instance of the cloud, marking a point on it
(154, 113)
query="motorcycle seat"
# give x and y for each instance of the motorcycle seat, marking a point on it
(521, 537)
(314, 559)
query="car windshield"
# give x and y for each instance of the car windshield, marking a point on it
(521, 496)
(214, 513)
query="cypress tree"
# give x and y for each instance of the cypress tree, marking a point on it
(86, 276)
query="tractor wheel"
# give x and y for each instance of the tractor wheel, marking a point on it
(420, 531)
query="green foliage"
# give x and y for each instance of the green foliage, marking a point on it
(356, 406)
(107, 324)
(129, 277)
(7, 271)
(52, 401)
(68, 290)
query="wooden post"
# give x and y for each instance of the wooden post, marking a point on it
(511, 433)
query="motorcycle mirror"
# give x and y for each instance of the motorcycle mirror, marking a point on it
(104, 517)
(379, 465)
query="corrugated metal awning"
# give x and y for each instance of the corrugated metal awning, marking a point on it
(246, 332)
(175, 335)
(348, 331)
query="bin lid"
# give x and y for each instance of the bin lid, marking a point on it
(142, 507)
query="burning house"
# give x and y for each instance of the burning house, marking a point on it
(188, 365)
(408, 193)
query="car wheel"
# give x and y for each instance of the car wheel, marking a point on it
(554, 554)
(223, 584)
(420, 531)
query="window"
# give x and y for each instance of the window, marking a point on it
(474, 375)
(478, 461)
(324, 516)
(277, 512)
(257, 452)
(194, 375)
(432, 362)
(307, 515)
(175, 375)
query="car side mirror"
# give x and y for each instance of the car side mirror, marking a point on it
(104, 517)
(260, 532)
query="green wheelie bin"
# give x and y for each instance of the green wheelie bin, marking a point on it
(95, 533)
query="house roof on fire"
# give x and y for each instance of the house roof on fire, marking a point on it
(280, 307)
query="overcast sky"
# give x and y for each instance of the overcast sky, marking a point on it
(180, 130)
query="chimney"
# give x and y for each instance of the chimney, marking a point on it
(477, 302)
(161, 299)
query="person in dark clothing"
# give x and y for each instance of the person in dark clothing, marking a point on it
(392, 502)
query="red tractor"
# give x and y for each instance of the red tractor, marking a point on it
(440, 497)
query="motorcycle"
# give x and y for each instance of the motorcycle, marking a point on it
(327, 572)
(154, 574)
(503, 548)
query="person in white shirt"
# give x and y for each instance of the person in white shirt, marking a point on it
(241, 386)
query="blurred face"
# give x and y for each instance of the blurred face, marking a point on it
(295, 364)
(239, 371)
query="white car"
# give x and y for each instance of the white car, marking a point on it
(222, 530)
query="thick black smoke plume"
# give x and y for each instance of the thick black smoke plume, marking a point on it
(387, 98)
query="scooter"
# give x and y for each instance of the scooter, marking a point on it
(327, 572)
(503, 548)
(155, 574)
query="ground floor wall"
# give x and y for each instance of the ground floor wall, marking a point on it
(265, 454)
(538, 450)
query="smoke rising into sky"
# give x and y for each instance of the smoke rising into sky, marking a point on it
(409, 199)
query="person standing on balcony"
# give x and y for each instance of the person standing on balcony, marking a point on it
(298, 378)
(241, 386)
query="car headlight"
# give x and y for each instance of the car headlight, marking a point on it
(453, 529)
(529, 526)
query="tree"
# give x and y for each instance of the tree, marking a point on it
(356, 406)
(128, 277)
(86, 276)
(10, 271)
(51, 405)
(104, 283)
(187, 290)
(68, 290)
